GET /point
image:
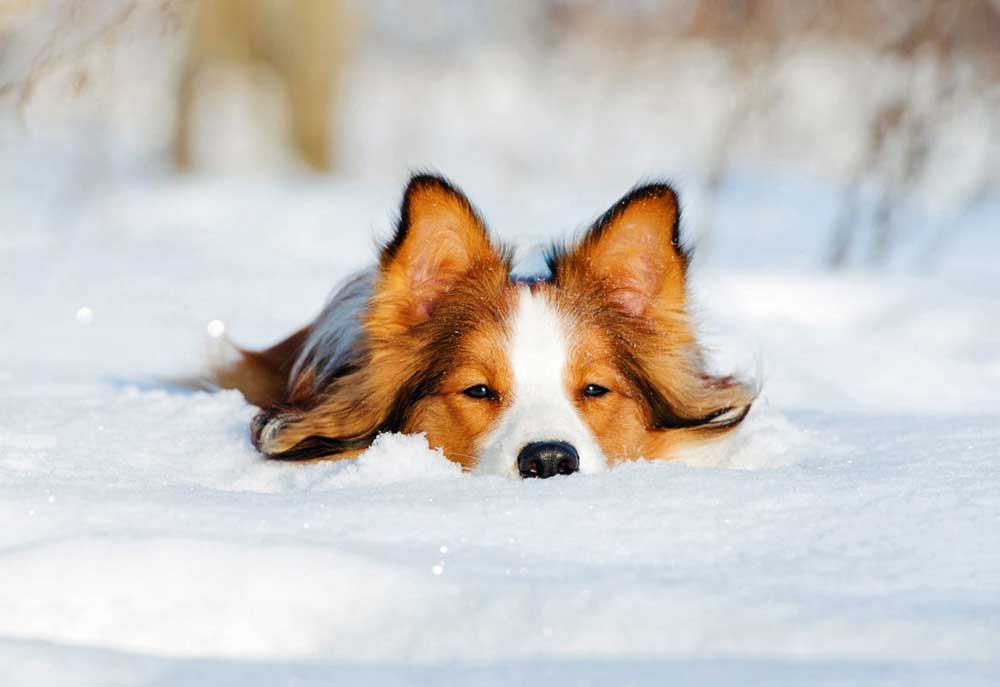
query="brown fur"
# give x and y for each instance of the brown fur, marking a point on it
(440, 280)
(624, 287)
(262, 376)
(438, 323)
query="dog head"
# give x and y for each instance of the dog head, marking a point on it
(594, 365)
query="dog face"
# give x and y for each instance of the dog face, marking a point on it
(597, 364)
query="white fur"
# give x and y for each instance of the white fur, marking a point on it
(541, 409)
(334, 339)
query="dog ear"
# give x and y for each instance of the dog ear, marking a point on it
(684, 397)
(633, 253)
(339, 424)
(634, 249)
(440, 238)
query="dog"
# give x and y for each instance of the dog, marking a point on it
(594, 364)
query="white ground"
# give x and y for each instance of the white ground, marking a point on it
(851, 535)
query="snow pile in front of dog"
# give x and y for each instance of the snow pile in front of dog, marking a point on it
(129, 436)
(766, 439)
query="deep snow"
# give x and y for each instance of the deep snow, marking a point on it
(849, 535)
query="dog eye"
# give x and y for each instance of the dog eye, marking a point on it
(594, 390)
(479, 391)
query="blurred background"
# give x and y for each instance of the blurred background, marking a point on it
(883, 113)
(176, 170)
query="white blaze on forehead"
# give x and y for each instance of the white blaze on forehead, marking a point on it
(538, 348)
(541, 408)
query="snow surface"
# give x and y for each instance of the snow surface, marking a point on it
(850, 534)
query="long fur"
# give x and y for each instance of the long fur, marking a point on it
(336, 339)
(396, 344)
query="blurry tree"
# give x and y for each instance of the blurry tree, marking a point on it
(940, 40)
(940, 52)
(933, 40)
(894, 103)
(67, 40)
(301, 41)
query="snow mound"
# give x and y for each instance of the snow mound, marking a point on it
(391, 458)
(766, 439)
(146, 595)
(846, 535)
(397, 458)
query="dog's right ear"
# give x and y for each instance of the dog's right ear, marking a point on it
(440, 238)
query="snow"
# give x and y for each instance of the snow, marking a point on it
(847, 535)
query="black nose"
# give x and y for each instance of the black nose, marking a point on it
(546, 458)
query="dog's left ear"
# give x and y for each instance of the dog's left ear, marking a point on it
(635, 249)
(633, 252)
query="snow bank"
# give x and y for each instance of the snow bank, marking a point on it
(845, 535)
(765, 440)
